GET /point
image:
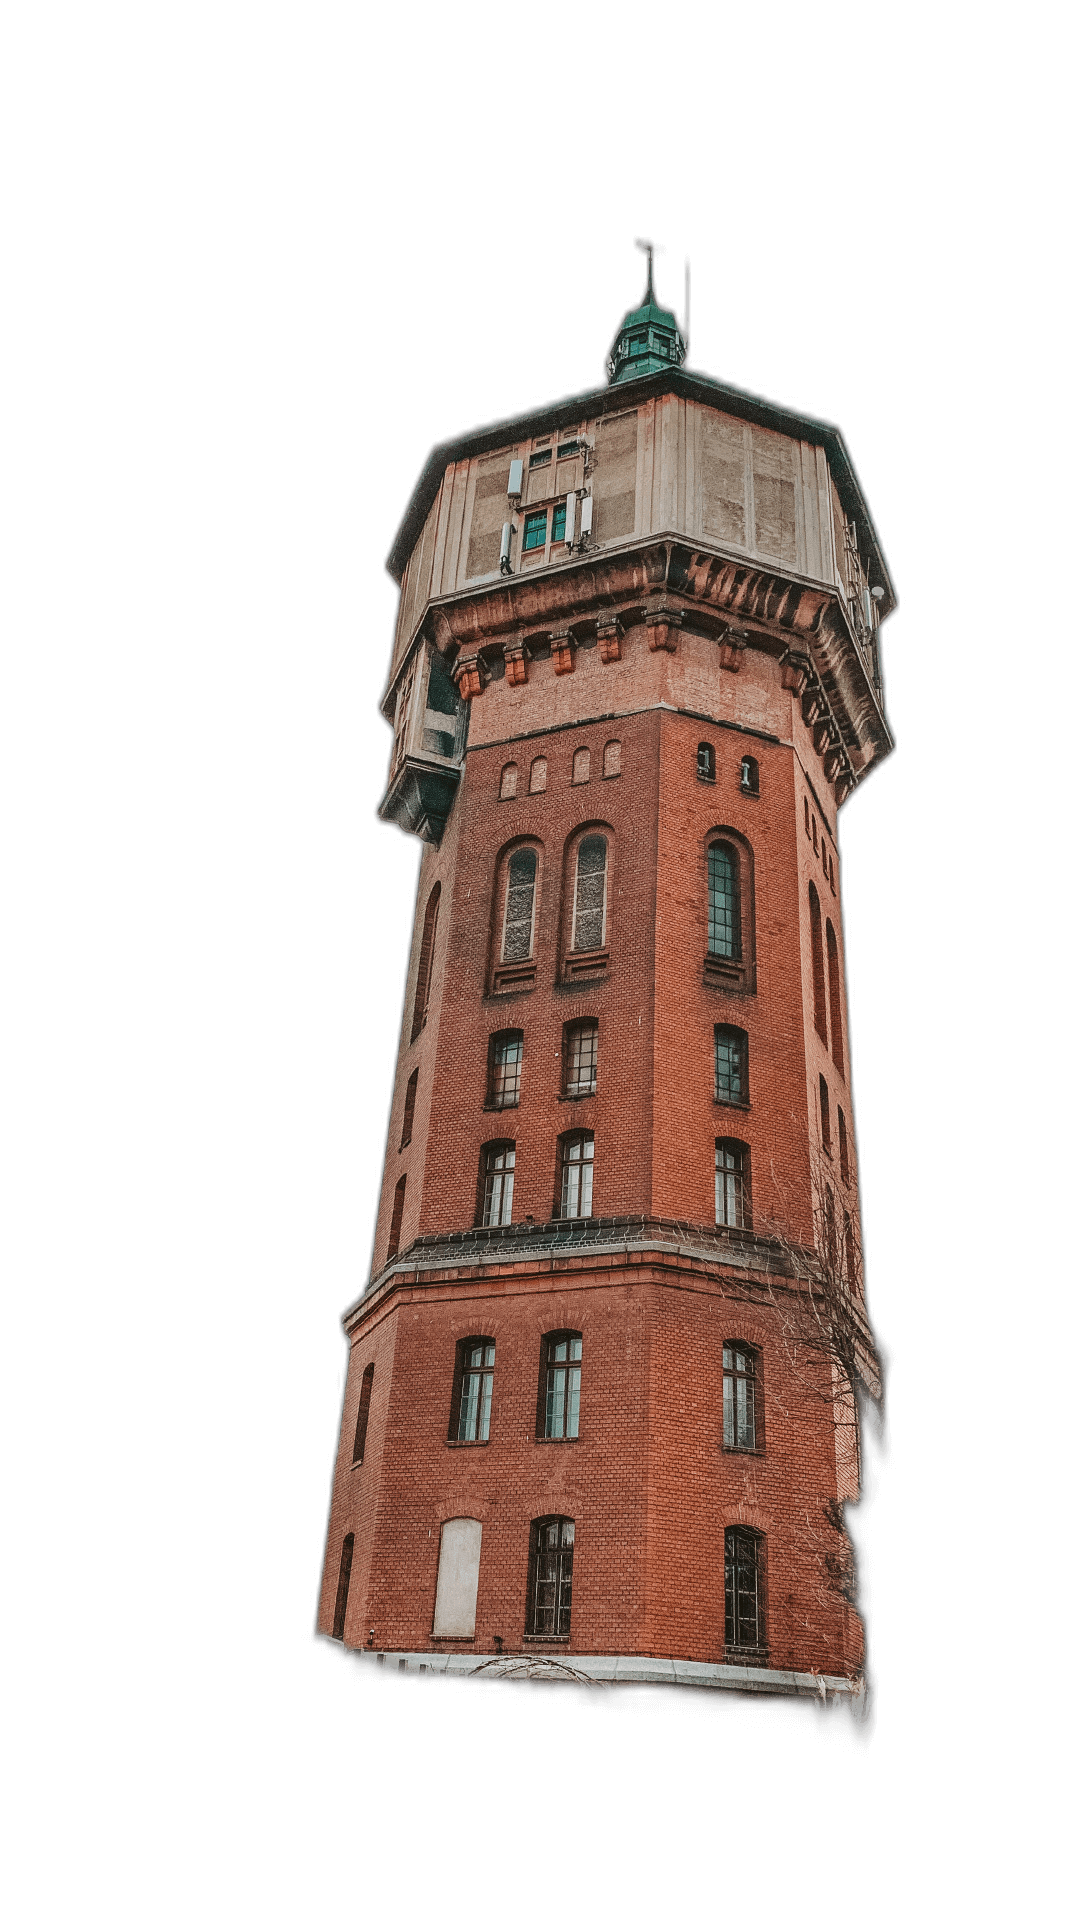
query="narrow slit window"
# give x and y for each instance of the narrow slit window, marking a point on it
(590, 891)
(341, 1601)
(361, 1434)
(519, 906)
(842, 1145)
(398, 1209)
(742, 1588)
(724, 939)
(410, 1108)
(824, 1112)
(425, 965)
(731, 1184)
(833, 968)
(739, 1397)
(818, 979)
(498, 1170)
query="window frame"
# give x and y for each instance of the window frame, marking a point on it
(549, 1364)
(735, 1643)
(463, 1372)
(742, 1153)
(426, 963)
(489, 1175)
(506, 976)
(507, 1036)
(397, 1212)
(725, 1030)
(737, 971)
(341, 1597)
(573, 1032)
(706, 762)
(564, 1579)
(409, 1108)
(752, 1353)
(575, 1137)
(364, 1408)
(749, 776)
(586, 962)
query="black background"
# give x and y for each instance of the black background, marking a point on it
(388, 340)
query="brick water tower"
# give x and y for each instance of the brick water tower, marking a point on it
(601, 1411)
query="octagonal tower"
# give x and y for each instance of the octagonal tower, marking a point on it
(601, 1412)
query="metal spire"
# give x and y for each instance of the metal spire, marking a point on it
(647, 249)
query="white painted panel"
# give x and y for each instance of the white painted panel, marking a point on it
(459, 1572)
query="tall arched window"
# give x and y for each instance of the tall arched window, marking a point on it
(341, 1602)
(590, 894)
(361, 1435)
(744, 1568)
(518, 905)
(538, 775)
(424, 970)
(398, 1209)
(497, 1184)
(613, 758)
(834, 967)
(508, 781)
(817, 972)
(724, 929)
(580, 767)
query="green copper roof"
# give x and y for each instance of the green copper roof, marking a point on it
(648, 342)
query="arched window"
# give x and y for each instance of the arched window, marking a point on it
(744, 1569)
(818, 977)
(471, 1407)
(590, 894)
(707, 761)
(834, 967)
(724, 928)
(580, 767)
(508, 781)
(732, 1184)
(748, 774)
(730, 1066)
(579, 1059)
(345, 1568)
(613, 755)
(497, 1184)
(519, 904)
(538, 775)
(842, 1145)
(410, 1108)
(824, 1112)
(575, 1199)
(397, 1211)
(551, 1567)
(505, 1068)
(424, 970)
(366, 1381)
(559, 1398)
(740, 1395)
(806, 818)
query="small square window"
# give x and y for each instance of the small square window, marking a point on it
(536, 530)
(540, 459)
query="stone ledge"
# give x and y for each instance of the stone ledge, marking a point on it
(605, 1669)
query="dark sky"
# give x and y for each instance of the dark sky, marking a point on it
(388, 344)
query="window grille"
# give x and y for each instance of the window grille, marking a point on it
(707, 761)
(476, 1368)
(505, 1079)
(834, 969)
(551, 1567)
(361, 1435)
(538, 775)
(590, 891)
(518, 912)
(576, 1189)
(410, 1107)
(580, 767)
(562, 1386)
(613, 757)
(739, 1397)
(396, 1219)
(742, 1588)
(498, 1184)
(817, 974)
(824, 1112)
(580, 1057)
(536, 529)
(341, 1602)
(425, 964)
(723, 903)
(508, 781)
(730, 1065)
(731, 1184)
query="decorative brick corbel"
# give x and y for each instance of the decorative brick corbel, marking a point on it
(844, 785)
(662, 628)
(825, 734)
(731, 649)
(833, 762)
(469, 676)
(517, 660)
(563, 646)
(610, 638)
(813, 704)
(795, 671)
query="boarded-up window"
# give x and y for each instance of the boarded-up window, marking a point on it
(589, 894)
(774, 495)
(538, 775)
(723, 503)
(615, 468)
(489, 513)
(580, 767)
(612, 758)
(457, 1581)
(518, 915)
(508, 781)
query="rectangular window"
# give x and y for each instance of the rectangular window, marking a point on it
(723, 903)
(739, 1410)
(559, 522)
(477, 1364)
(505, 1072)
(580, 1057)
(824, 1110)
(498, 1184)
(730, 1066)
(551, 1564)
(567, 449)
(731, 1185)
(842, 1146)
(562, 1386)
(541, 458)
(576, 1186)
(536, 530)
(742, 1588)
